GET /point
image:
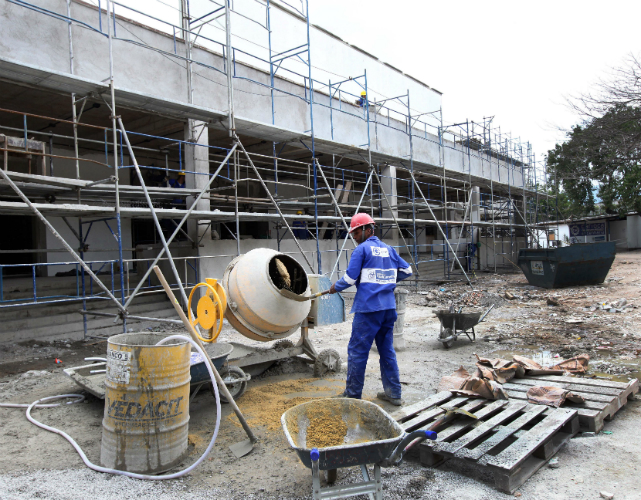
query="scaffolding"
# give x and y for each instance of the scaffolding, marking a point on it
(448, 222)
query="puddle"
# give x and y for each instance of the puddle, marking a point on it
(630, 367)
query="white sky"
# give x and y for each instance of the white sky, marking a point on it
(514, 60)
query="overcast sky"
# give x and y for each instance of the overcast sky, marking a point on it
(513, 60)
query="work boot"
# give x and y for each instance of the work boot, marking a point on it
(385, 397)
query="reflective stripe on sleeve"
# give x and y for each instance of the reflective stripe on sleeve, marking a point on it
(348, 280)
(407, 270)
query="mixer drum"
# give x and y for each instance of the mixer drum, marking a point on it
(255, 306)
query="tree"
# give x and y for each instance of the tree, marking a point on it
(601, 158)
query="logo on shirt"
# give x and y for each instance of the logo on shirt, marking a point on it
(379, 276)
(380, 251)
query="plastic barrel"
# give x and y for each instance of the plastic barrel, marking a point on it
(146, 419)
(400, 295)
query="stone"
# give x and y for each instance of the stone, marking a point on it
(552, 301)
(554, 463)
(509, 296)
(607, 495)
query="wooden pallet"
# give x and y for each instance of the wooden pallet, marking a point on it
(510, 439)
(603, 398)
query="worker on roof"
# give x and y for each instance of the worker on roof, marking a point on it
(363, 99)
(300, 228)
(374, 268)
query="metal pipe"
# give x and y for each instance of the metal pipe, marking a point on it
(369, 178)
(251, 163)
(335, 202)
(440, 229)
(60, 238)
(153, 212)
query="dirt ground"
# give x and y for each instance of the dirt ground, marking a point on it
(38, 464)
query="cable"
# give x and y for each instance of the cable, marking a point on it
(36, 404)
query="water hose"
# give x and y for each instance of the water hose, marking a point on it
(79, 398)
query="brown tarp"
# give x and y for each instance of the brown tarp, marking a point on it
(578, 364)
(552, 396)
(461, 383)
(499, 370)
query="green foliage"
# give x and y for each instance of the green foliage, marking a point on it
(600, 160)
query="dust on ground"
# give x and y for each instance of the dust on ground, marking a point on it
(38, 464)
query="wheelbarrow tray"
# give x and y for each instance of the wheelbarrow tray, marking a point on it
(95, 382)
(464, 321)
(372, 434)
(218, 352)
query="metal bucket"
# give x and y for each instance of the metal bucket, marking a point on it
(400, 295)
(146, 418)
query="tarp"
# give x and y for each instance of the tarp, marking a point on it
(552, 396)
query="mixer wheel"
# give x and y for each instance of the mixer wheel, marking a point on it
(236, 389)
(327, 361)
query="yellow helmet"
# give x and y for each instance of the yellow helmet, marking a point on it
(299, 212)
(363, 93)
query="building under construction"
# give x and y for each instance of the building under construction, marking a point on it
(281, 132)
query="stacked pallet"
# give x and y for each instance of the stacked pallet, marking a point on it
(509, 439)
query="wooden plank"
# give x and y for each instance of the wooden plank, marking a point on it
(481, 430)
(502, 433)
(422, 418)
(586, 381)
(591, 405)
(510, 482)
(612, 403)
(515, 454)
(459, 423)
(412, 410)
(528, 382)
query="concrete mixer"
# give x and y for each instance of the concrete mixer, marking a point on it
(250, 296)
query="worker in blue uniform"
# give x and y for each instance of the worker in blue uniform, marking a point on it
(374, 268)
(300, 228)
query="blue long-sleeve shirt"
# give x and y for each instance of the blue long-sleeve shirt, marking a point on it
(374, 268)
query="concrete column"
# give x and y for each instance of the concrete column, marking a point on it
(197, 160)
(388, 185)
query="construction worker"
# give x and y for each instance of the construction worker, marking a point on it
(363, 99)
(374, 268)
(300, 228)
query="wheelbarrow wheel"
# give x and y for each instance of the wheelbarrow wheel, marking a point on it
(236, 389)
(444, 334)
(327, 361)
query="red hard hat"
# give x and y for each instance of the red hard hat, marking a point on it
(359, 220)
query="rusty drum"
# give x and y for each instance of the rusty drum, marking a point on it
(146, 417)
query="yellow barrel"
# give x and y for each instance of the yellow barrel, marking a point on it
(146, 418)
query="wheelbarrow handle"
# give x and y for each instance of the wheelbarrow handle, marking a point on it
(406, 443)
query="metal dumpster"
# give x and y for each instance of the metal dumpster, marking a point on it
(580, 264)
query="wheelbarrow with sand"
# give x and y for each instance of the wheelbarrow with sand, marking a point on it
(329, 434)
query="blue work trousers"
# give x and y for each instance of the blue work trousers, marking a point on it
(366, 328)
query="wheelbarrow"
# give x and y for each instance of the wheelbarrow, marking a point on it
(92, 377)
(372, 437)
(455, 323)
(234, 377)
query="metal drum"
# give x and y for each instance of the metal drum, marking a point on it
(255, 306)
(146, 418)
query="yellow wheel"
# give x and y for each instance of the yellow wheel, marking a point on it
(209, 310)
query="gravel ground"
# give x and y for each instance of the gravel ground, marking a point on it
(37, 464)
